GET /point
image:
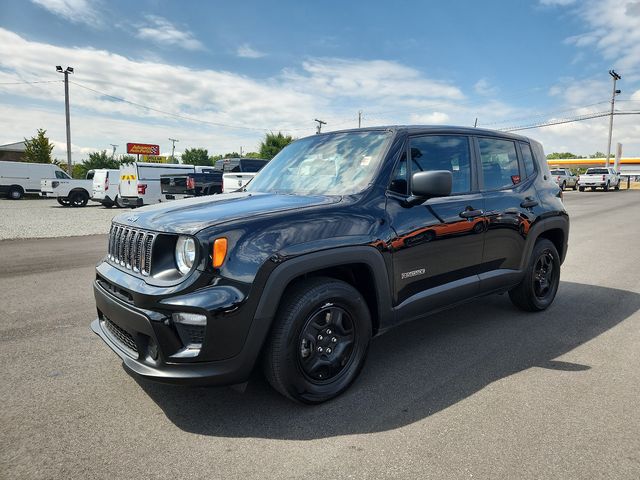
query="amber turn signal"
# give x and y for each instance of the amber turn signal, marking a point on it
(219, 252)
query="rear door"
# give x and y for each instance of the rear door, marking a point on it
(507, 177)
(437, 248)
(129, 180)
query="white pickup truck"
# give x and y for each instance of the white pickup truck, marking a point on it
(68, 191)
(599, 177)
(237, 172)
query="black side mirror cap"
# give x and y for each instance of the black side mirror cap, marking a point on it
(425, 185)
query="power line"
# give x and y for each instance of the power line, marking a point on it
(29, 83)
(567, 120)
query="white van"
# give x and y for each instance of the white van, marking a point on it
(106, 187)
(20, 178)
(140, 182)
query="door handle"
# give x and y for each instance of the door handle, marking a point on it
(471, 213)
(529, 203)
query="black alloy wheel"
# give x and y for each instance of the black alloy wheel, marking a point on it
(319, 340)
(63, 201)
(79, 199)
(539, 286)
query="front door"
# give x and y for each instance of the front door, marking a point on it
(437, 245)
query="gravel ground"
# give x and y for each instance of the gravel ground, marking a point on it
(45, 218)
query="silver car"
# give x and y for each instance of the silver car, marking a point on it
(565, 178)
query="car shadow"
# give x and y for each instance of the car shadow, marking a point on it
(413, 371)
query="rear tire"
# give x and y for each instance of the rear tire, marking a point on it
(581, 189)
(78, 199)
(606, 187)
(575, 186)
(118, 202)
(63, 201)
(15, 193)
(564, 186)
(541, 279)
(319, 340)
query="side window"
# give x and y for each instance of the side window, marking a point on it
(499, 163)
(252, 166)
(527, 159)
(399, 183)
(443, 152)
(60, 174)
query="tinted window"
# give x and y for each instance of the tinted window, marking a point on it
(527, 159)
(499, 163)
(597, 171)
(231, 166)
(60, 174)
(557, 172)
(252, 166)
(399, 181)
(443, 152)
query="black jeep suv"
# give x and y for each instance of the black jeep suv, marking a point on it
(340, 237)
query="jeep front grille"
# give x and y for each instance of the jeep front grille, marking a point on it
(131, 248)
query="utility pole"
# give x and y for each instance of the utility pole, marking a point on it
(66, 73)
(614, 92)
(173, 148)
(359, 118)
(113, 154)
(320, 123)
(240, 150)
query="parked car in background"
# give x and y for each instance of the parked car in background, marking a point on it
(565, 178)
(601, 177)
(106, 187)
(237, 172)
(140, 182)
(70, 192)
(20, 178)
(203, 181)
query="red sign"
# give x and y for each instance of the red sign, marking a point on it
(143, 149)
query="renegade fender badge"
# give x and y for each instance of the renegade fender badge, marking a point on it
(413, 273)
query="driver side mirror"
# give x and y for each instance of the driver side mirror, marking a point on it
(425, 185)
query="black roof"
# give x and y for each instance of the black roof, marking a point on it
(418, 129)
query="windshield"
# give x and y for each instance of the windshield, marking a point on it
(330, 164)
(557, 172)
(597, 171)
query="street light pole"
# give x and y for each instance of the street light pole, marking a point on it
(66, 73)
(614, 92)
(320, 123)
(173, 148)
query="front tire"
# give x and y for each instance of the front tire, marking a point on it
(541, 279)
(63, 201)
(15, 193)
(575, 186)
(564, 186)
(319, 341)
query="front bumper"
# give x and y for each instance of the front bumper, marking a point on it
(144, 340)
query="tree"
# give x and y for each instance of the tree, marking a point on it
(598, 155)
(127, 159)
(253, 155)
(96, 160)
(38, 149)
(559, 155)
(196, 156)
(273, 143)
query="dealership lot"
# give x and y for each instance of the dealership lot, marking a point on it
(481, 391)
(45, 218)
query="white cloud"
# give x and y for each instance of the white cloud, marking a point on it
(76, 11)
(483, 87)
(161, 31)
(369, 79)
(246, 51)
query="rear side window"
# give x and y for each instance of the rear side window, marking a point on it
(252, 166)
(527, 160)
(443, 152)
(231, 166)
(60, 174)
(499, 163)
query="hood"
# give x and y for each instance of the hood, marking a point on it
(192, 215)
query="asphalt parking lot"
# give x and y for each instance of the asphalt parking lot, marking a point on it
(480, 391)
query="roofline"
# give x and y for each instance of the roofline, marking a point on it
(417, 129)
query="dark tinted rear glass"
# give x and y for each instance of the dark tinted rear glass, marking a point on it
(252, 166)
(597, 171)
(527, 159)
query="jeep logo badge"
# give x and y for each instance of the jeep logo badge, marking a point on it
(132, 218)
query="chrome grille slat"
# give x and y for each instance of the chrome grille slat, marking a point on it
(131, 248)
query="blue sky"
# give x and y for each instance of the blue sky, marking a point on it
(223, 73)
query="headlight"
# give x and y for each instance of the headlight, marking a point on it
(185, 254)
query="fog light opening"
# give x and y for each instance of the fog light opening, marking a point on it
(190, 328)
(152, 349)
